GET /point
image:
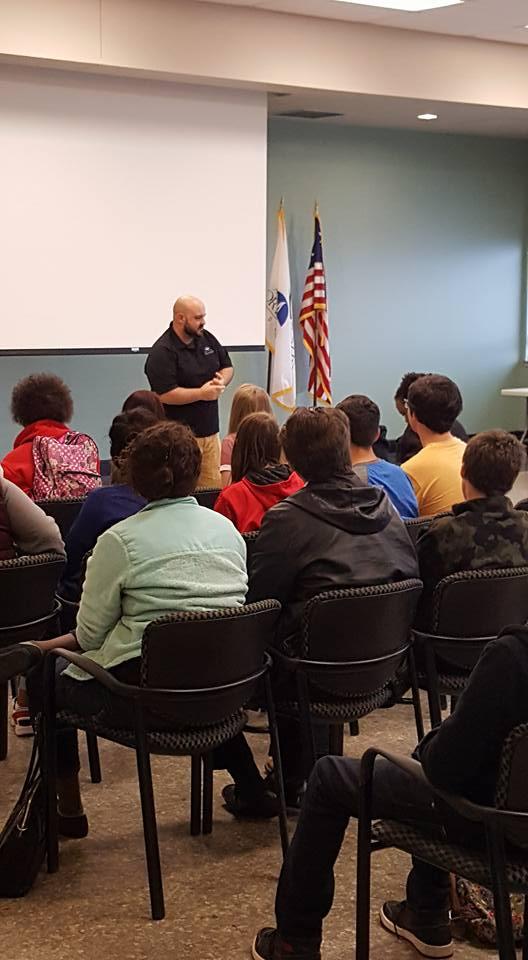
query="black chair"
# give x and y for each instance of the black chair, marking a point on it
(501, 864)
(29, 610)
(207, 496)
(468, 610)
(418, 525)
(198, 670)
(250, 539)
(64, 512)
(353, 643)
(522, 505)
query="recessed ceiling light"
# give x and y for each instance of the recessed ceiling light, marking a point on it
(427, 116)
(410, 6)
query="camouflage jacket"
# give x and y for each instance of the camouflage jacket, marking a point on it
(479, 534)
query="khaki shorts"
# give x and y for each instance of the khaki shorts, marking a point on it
(210, 472)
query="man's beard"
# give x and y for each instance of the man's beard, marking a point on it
(193, 333)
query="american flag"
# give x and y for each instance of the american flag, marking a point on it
(314, 322)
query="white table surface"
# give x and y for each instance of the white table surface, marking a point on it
(515, 392)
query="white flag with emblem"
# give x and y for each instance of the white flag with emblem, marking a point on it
(279, 323)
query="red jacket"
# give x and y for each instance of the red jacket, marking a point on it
(246, 502)
(18, 464)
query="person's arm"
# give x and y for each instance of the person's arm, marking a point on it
(32, 530)
(82, 537)
(473, 735)
(431, 559)
(226, 374)
(272, 571)
(178, 396)
(100, 608)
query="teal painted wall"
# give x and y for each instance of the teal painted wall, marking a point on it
(424, 238)
(424, 243)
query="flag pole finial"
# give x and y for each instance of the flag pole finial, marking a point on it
(281, 204)
(316, 209)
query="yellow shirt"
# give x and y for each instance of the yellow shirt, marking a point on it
(435, 475)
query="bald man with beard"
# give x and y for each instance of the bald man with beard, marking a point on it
(189, 370)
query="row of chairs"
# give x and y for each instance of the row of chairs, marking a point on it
(354, 643)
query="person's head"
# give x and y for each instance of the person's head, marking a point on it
(256, 445)
(491, 463)
(164, 461)
(188, 317)
(124, 429)
(433, 402)
(41, 396)
(145, 400)
(247, 399)
(316, 442)
(403, 390)
(363, 417)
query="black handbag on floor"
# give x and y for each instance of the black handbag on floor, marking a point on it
(23, 839)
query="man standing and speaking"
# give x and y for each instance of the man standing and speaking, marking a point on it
(189, 370)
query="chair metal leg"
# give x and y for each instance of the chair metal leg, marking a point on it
(207, 812)
(336, 739)
(196, 795)
(49, 764)
(353, 727)
(3, 720)
(417, 705)
(363, 865)
(277, 764)
(148, 810)
(94, 761)
(501, 899)
(307, 737)
(435, 713)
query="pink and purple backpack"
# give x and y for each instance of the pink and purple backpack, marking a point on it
(66, 467)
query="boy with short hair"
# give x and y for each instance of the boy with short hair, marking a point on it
(364, 419)
(484, 530)
(433, 404)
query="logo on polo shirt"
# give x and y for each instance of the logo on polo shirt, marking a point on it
(207, 351)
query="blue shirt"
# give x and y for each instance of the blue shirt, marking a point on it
(397, 486)
(101, 509)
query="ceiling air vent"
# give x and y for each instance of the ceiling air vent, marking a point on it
(309, 114)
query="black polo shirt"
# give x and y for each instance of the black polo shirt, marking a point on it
(172, 363)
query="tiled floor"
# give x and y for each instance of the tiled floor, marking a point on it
(218, 889)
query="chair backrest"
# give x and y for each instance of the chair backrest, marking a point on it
(64, 512)
(477, 604)
(27, 588)
(207, 496)
(250, 539)
(522, 505)
(418, 525)
(366, 628)
(212, 654)
(512, 782)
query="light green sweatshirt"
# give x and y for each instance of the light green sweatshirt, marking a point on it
(172, 555)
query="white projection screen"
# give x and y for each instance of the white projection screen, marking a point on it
(117, 195)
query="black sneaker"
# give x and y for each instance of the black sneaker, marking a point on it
(293, 792)
(268, 945)
(73, 828)
(261, 806)
(431, 938)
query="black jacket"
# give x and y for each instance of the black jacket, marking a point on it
(327, 536)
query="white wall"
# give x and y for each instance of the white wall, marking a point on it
(117, 195)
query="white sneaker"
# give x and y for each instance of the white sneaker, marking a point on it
(21, 721)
